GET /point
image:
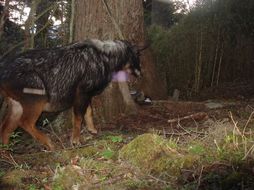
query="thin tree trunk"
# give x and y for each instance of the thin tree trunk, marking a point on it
(198, 67)
(29, 26)
(3, 17)
(200, 61)
(41, 20)
(219, 66)
(72, 21)
(215, 58)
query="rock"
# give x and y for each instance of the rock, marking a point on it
(213, 105)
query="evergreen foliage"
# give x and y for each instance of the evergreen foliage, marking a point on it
(211, 45)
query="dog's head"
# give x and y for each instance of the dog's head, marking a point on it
(134, 66)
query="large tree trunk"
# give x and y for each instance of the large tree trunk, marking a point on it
(115, 19)
(109, 19)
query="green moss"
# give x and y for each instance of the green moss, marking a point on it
(67, 177)
(151, 153)
(14, 178)
(82, 152)
(63, 156)
(89, 173)
(91, 164)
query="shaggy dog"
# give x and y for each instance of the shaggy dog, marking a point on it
(57, 79)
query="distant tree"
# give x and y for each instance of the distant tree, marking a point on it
(4, 11)
(42, 23)
(147, 12)
(11, 33)
(163, 13)
(213, 44)
(30, 28)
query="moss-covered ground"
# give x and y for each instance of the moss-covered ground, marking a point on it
(142, 152)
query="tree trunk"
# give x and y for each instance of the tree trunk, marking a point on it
(113, 19)
(3, 16)
(104, 20)
(72, 14)
(215, 58)
(219, 66)
(30, 26)
(198, 66)
(151, 83)
(41, 22)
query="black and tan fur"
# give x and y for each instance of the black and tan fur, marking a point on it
(57, 79)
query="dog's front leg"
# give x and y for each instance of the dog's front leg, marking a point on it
(76, 122)
(79, 108)
(89, 120)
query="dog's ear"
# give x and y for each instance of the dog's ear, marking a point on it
(142, 48)
(138, 49)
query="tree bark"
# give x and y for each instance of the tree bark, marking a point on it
(118, 19)
(3, 16)
(215, 58)
(72, 21)
(219, 66)
(41, 22)
(30, 27)
(198, 66)
(111, 19)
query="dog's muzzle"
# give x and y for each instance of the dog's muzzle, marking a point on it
(137, 73)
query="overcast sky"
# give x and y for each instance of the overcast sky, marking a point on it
(26, 10)
(191, 2)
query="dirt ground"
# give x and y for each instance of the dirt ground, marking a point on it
(169, 119)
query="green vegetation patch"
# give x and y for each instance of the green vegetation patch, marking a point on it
(68, 177)
(14, 177)
(95, 174)
(19, 178)
(153, 154)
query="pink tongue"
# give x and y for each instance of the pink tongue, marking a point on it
(120, 76)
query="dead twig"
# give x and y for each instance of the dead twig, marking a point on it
(59, 139)
(6, 161)
(159, 180)
(247, 123)
(195, 116)
(52, 131)
(109, 181)
(200, 176)
(10, 160)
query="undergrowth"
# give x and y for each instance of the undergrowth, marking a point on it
(219, 156)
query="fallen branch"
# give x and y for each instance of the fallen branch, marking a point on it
(196, 116)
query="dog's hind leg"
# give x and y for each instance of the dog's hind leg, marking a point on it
(89, 120)
(31, 113)
(10, 123)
